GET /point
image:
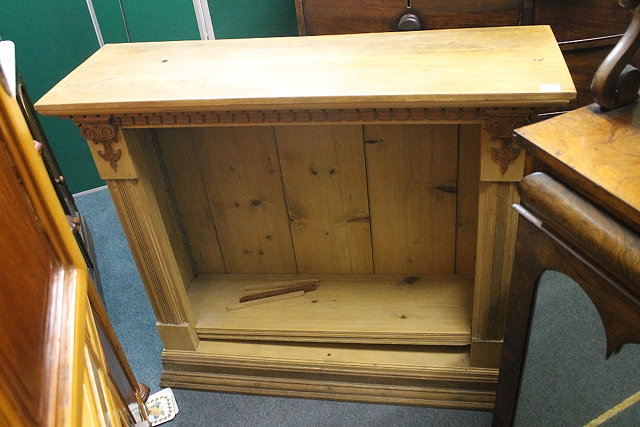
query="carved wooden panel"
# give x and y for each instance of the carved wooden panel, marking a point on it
(502, 159)
(110, 154)
(258, 117)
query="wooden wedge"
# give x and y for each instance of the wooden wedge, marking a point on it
(267, 300)
(307, 287)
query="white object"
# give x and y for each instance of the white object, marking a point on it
(8, 66)
(550, 87)
(96, 24)
(162, 407)
(203, 16)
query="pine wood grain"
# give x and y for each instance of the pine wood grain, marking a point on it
(508, 66)
(431, 361)
(497, 225)
(467, 198)
(179, 336)
(325, 184)
(409, 375)
(188, 190)
(244, 186)
(242, 87)
(148, 220)
(412, 172)
(429, 309)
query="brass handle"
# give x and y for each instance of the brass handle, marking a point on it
(409, 22)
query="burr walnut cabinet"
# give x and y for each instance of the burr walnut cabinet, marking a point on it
(382, 165)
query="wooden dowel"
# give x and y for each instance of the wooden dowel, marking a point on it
(278, 285)
(302, 287)
(267, 300)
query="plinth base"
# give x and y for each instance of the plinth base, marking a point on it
(406, 375)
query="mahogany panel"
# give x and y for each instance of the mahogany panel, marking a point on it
(583, 63)
(581, 19)
(339, 17)
(28, 265)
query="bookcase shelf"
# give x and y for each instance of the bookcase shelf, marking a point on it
(383, 165)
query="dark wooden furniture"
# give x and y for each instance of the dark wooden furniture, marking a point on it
(80, 229)
(580, 214)
(370, 16)
(586, 30)
(60, 361)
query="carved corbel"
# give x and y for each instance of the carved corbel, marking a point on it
(108, 147)
(501, 131)
(104, 134)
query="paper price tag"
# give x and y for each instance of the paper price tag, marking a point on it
(550, 87)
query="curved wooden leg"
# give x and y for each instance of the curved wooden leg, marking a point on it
(527, 269)
(537, 250)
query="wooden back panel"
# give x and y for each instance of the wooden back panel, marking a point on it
(319, 198)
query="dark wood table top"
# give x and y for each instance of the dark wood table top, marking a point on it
(596, 153)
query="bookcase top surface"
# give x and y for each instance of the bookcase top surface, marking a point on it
(478, 67)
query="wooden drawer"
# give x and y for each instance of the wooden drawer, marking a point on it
(339, 17)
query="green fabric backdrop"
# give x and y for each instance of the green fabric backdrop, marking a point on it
(53, 37)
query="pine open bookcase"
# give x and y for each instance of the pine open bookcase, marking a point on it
(381, 166)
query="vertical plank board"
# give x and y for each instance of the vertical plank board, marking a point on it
(325, 185)
(411, 173)
(243, 181)
(497, 224)
(183, 170)
(467, 203)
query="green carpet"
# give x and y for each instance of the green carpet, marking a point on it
(566, 381)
